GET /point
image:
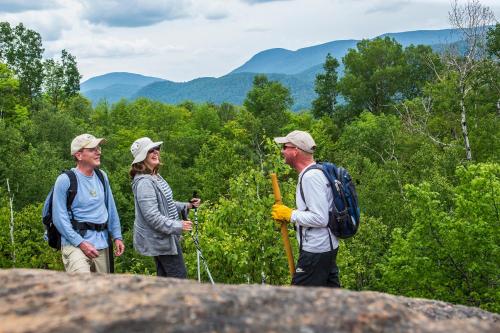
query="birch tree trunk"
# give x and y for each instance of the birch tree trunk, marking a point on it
(472, 20)
(468, 153)
(11, 201)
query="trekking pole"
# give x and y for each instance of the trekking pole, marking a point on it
(203, 260)
(196, 242)
(195, 195)
(197, 250)
(284, 230)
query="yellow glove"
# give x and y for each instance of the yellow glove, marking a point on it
(281, 213)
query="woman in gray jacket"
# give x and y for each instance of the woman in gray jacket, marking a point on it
(157, 226)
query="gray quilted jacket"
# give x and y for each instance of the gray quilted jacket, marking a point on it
(154, 229)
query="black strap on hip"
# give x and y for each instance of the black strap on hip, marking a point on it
(82, 227)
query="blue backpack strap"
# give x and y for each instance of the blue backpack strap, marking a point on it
(335, 177)
(331, 173)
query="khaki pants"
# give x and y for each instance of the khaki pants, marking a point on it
(75, 260)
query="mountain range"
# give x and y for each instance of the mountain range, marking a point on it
(294, 69)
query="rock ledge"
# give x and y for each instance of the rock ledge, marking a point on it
(47, 301)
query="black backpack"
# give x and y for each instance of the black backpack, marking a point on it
(52, 235)
(344, 219)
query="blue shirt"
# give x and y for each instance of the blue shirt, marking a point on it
(88, 206)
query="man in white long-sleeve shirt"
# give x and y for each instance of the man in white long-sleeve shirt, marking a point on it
(316, 265)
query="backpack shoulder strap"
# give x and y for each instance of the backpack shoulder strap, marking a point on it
(312, 167)
(100, 175)
(331, 169)
(335, 176)
(325, 168)
(73, 188)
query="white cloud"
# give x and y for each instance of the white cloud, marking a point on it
(133, 13)
(387, 6)
(50, 27)
(253, 2)
(110, 47)
(210, 10)
(18, 6)
(216, 15)
(257, 29)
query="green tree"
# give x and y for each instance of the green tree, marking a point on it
(360, 257)
(53, 82)
(22, 50)
(218, 160)
(268, 101)
(372, 149)
(493, 45)
(9, 90)
(30, 248)
(71, 74)
(452, 251)
(421, 66)
(493, 41)
(325, 87)
(373, 75)
(62, 79)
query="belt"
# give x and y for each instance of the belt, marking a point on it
(82, 227)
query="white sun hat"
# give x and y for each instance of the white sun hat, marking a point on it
(140, 148)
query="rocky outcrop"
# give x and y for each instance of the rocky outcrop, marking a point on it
(47, 301)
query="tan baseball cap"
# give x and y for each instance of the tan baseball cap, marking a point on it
(85, 141)
(299, 139)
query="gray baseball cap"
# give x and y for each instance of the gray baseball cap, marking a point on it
(299, 139)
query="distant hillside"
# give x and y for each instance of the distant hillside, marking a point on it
(114, 86)
(297, 70)
(292, 62)
(230, 88)
(425, 37)
(112, 93)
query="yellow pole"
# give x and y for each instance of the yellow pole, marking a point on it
(284, 230)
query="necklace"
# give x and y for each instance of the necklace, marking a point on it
(93, 191)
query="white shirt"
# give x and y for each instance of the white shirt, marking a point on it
(318, 202)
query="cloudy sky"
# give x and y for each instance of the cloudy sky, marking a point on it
(180, 40)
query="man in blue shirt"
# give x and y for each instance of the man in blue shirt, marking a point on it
(87, 251)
